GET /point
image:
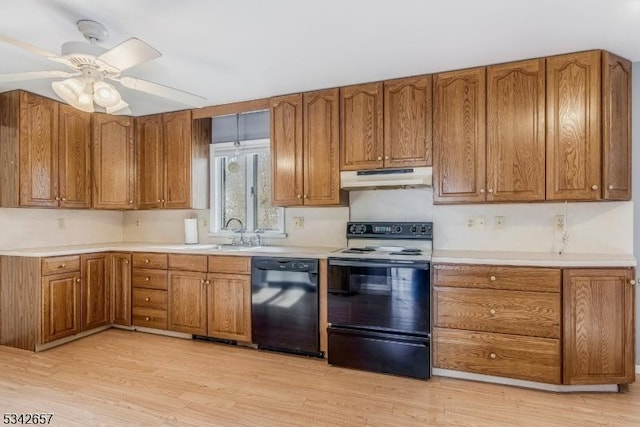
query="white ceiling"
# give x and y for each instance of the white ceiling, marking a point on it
(233, 50)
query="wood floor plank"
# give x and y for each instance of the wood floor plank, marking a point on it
(120, 377)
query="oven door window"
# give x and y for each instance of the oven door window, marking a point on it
(390, 298)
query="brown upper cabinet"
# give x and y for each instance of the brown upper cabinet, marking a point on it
(459, 136)
(113, 165)
(515, 131)
(361, 127)
(163, 158)
(46, 153)
(305, 145)
(588, 127)
(408, 111)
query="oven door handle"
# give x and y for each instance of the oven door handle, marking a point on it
(383, 263)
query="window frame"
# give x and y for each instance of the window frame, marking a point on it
(219, 151)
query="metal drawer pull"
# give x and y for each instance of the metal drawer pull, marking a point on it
(146, 261)
(594, 187)
(147, 318)
(62, 265)
(632, 282)
(493, 278)
(147, 279)
(147, 299)
(492, 311)
(492, 355)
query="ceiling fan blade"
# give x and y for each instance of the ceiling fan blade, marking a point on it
(129, 54)
(163, 91)
(34, 49)
(35, 75)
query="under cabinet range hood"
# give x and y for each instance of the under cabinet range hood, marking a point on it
(386, 178)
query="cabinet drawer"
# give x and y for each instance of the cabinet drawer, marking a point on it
(512, 356)
(230, 264)
(150, 260)
(511, 312)
(149, 317)
(152, 279)
(497, 277)
(149, 298)
(60, 264)
(188, 262)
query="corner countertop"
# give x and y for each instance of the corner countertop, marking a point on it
(198, 249)
(535, 259)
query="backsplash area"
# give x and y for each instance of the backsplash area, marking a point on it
(596, 227)
(25, 228)
(323, 227)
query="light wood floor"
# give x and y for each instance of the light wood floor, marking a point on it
(127, 378)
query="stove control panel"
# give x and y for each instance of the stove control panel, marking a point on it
(390, 230)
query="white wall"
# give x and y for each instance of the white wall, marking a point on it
(323, 227)
(23, 228)
(635, 119)
(603, 227)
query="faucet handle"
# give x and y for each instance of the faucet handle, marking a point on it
(258, 231)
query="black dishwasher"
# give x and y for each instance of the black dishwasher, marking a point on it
(284, 305)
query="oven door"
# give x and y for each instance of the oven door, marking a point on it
(379, 294)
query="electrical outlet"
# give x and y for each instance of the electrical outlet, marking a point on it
(204, 222)
(560, 222)
(138, 223)
(499, 222)
(298, 222)
(481, 222)
(471, 223)
(61, 224)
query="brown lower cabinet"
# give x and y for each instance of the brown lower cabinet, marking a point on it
(60, 306)
(120, 277)
(149, 290)
(508, 322)
(215, 302)
(95, 291)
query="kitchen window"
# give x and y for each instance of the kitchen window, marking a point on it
(241, 183)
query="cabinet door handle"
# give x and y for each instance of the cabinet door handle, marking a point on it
(299, 196)
(379, 157)
(305, 196)
(130, 201)
(126, 261)
(632, 282)
(208, 282)
(147, 318)
(491, 191)
(162, 200)
(78, 280)
(594, 187)
(386, 157)
(492, 278)
(147, 299)
(492, 311)
(611, 187)
(57, 198)
(64, 199)
(492, 355)
(482, 191)
(158, 200)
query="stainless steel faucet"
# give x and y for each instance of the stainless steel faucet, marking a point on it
(236, 230)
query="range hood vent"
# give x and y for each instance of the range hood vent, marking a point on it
(386, 179)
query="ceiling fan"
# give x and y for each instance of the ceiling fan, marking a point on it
(86, 86)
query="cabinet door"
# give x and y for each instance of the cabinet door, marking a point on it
(149, 161)
(598, 326)
(120, 278)
(229, 306)
(60, 306)
(616, 132)
(286, 150)
(516, 131)
(187, 302)
(573, 126)
(74, 154)
(361, 127)
(459, 136)
(38, 151)
(96, 292)
(408, 112)
(177, 159)
(321, 150)
(113, 166)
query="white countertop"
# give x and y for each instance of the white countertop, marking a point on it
(537, 259)
(200, 249)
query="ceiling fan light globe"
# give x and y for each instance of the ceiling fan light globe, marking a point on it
(84, 99)
(105, 95)
(67, 91)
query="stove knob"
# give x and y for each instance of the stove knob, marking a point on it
(397, 229)
(423, 229)
(414, 229)
(353, 229)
